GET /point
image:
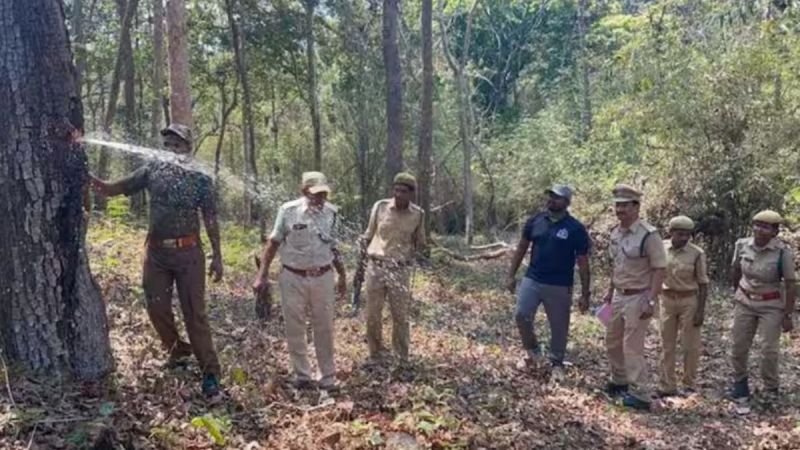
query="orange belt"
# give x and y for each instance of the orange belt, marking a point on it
(678, 294)
(775, 295)
(191, 240)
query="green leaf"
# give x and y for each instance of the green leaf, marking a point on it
(212, 426)
(239, 376)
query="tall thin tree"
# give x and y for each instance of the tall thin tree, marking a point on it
(313, 95)
(394, 90)
(180, 96)
(424, 155)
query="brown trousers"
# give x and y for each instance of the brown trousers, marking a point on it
(677, 315)
(766, 318)
(392, 284)
(184, 268)
(625, 336)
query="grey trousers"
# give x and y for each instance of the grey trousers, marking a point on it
(557, 302)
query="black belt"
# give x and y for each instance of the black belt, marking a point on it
(315, 272)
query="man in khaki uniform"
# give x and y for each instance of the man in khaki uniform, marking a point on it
(760, 264)
(304, 235)
(394, 236)
(639, 263)
(683, 305)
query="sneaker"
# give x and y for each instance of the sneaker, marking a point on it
(210, 385)
(330, 388)
(616, 390)
(740, 391)
(533, 356)
(629, 401)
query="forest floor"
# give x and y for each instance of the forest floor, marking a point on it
(465, 387)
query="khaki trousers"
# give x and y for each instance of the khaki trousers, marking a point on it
(766, 317)
(185, 269)
(394, 284)
(625, 336)
(677, 317)
(299, 295)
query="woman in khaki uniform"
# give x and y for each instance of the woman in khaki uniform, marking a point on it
(760, 264)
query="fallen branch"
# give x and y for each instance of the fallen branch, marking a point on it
(443, 205)
(489, 255)
(489, 246)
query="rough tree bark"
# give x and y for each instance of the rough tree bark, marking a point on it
(180, 97)
(313, 96)
(425, 161)
(248, 130)
(394, 90)
(52, 318)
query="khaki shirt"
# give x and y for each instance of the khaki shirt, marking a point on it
(633, 268)
(687, 267)
(395, 234)
(306, 236)
(760, 265)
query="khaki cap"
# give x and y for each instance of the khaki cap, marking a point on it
(315, 182)
(561, 190)
(624, 193)
(406, 179)
(182, 131)
(768, 216)
(681, 223)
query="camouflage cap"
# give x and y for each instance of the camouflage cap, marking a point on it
(406, 179)
(182, 131)
(624, 193)
(561, 190)
(681, 223)
(768, 216)
(315, 182)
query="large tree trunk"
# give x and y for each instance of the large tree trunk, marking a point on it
(313, 96)
(394, 90)
(425, 161)
(248, 130)
(180, 97)
(126, 20)
(52, 318)
(158, 72)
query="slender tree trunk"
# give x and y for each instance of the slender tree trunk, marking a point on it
(394, 90)
(158, 72)
(129, 96)
(313, 96)
(180, 97)
(466, 118)
(52, 318)
(111, 109)
(248, 130)
(583, 67)
(225, 112)
(425, 161)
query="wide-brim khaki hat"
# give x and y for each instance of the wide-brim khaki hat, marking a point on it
(624, 193)
(182, 131)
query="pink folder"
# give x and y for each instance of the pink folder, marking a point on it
(603, 314)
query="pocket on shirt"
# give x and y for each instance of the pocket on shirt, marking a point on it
(299, 237)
